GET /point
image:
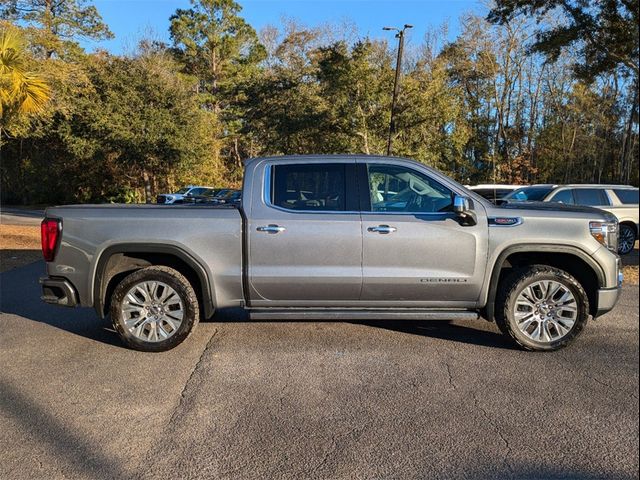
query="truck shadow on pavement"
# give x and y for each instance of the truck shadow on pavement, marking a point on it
(446, 330)
(20, 295)
(469, 332)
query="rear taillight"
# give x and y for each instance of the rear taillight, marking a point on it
(50, 231)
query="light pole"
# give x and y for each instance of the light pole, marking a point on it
(396, 82)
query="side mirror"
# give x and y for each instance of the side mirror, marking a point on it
(460, 204)
(462, 209)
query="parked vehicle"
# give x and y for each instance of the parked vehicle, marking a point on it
(181, 195)
(494, 191)
(336, 237)
(232, 197)
(207, 196)
(621, 200)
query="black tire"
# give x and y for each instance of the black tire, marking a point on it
(511, 287)
(629, 233)
(182, 287)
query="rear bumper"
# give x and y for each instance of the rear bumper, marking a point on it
(58, 291)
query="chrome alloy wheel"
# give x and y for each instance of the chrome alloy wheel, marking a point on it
(152, 311)
(545, 311)
(626, 240)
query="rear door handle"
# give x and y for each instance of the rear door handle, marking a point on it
(271, 229)
(384, 229)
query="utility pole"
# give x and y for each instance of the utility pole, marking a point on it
(396, 82)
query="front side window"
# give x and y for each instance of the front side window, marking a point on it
(400, 189)
(563, 196)
(590, 197)
(310, 187)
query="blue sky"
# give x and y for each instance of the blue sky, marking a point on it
(131, 19)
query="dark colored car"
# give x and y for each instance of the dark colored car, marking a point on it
(232, 197)
(207, 196)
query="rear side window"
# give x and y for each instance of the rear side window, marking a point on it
(563, 196)
(628, 196)
(592, 197)
(309, 186)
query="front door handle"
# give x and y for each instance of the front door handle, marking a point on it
(271, 229)
(384, 229)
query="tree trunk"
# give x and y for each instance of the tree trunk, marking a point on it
(626, 156)
(147, 186)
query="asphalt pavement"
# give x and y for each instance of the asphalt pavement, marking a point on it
(311, 399)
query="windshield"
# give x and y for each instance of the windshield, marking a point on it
(529, 194)
(182, 191)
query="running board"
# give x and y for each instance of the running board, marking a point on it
(354, 314)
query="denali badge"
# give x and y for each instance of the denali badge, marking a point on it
(504, 221)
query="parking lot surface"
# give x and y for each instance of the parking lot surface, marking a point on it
(311, 399)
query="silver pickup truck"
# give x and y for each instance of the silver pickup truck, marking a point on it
(336, 237)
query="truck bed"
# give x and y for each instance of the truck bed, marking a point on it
(210, 235)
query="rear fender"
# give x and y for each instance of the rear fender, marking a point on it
(206, 292)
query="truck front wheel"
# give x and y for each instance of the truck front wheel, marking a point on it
(154, 309)
(541, 308)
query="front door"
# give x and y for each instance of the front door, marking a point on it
(305, 240)
(415, 251)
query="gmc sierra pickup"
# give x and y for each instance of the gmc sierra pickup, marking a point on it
(336, 237)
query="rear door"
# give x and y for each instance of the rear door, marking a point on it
(415, 251)
(305, 239)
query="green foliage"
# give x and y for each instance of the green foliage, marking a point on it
(56, 24)
(605, 31)
(132, 123)
(23, 93)
(500, 103)
(222, 51)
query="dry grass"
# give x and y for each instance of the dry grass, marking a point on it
(630, 267)
(19, 245)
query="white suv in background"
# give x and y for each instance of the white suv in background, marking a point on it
(621, 200)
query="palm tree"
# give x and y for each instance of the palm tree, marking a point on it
(22, 93)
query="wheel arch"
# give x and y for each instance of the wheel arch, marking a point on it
(117, 261)
(570, 259)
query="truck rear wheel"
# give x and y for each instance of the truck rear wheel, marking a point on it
(541, 308)
(154, 309)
